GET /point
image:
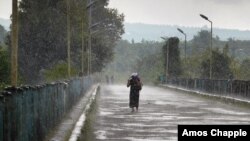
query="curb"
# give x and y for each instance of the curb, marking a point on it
(80, 123)
(65, 129)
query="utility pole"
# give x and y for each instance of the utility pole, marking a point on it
(82, 54)
(68, 36)
(89, 37)
(14, 43)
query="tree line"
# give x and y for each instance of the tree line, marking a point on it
(230, 59)
(42, 38)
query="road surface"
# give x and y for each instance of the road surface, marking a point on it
(160, 111)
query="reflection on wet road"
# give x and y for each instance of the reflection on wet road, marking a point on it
(160, 111)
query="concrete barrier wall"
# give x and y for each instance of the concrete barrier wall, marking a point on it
(235, 88)
(29, 113)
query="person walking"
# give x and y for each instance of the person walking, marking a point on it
(135, 85)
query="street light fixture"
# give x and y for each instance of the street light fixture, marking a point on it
(211, 44)
(181, 31)
(185, 52)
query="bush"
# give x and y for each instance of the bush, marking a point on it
(58, 72)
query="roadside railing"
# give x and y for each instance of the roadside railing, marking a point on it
(29, 113)
(234, 88)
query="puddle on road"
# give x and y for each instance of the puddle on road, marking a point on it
(101, 135)
(224, 111)
(158, 116)
(102, 113)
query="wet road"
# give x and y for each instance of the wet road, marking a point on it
(160, 111)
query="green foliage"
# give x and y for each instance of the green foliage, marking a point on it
(4, 66)
(3, 34)
(201, 41)
(58, 72)
(109, 31)
(145, 58)
(220, 66)
(226, 57)
(245, 70)
(174, 62)
(43, 35)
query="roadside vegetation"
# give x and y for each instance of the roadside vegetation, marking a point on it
(230, 59)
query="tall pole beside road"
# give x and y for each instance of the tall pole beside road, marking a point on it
(82, 52)
(89, 7)
(211, 44)
(14, 43)
(185, 50)
(68, 36)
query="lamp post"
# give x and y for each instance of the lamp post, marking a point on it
(185, 49)
(166, 39)
(181, 31)
(68, 37)
(211, 44)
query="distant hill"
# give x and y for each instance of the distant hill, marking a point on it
(139, 31)
(5, 23)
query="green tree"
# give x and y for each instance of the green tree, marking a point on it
(201, 41)
(43, 30)
(4, 67)
(220, 66)
(109, 31)
(172, 58)
(146, 58)
(43, 34)
(245, 70)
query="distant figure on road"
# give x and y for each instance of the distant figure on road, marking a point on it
(112, 79)
(135, 86)
(107, 79)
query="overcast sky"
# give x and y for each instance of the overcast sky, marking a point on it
(5, 8)
(224, 13)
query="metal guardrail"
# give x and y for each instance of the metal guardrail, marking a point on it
(30, 113)
(235, 88)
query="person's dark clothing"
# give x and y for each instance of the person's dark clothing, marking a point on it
(135, 87)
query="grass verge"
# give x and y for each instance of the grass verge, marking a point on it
(87, 132)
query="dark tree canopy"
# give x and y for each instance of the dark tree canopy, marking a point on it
(245, 69)
(174, 61)
(43, 35)
(4, 66)
(220, 66)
